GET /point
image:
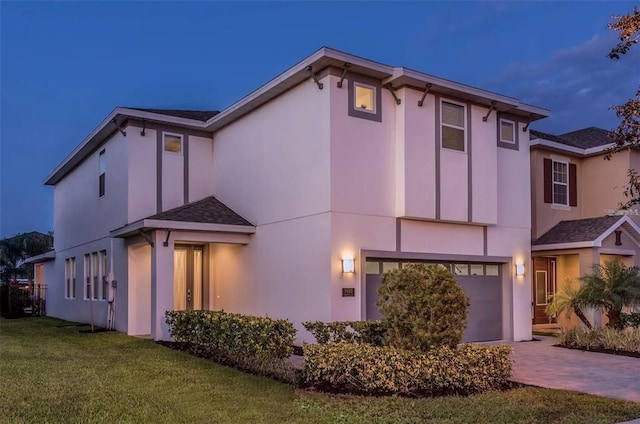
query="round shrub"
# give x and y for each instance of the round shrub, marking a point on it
(424, 307)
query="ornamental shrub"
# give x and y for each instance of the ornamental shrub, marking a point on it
(602, 338)
(369, 332)
(233, 335)
(631, 319)
(364, 369)
(424, 307)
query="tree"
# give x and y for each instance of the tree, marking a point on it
(608, 287)
(423, 306)
(14, 250)
(627, 134)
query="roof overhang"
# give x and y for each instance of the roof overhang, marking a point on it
(321, 59)
(629, 227)
(44, 257)
(144, 225)
(573, 151)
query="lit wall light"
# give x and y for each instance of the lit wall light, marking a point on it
(348, 265)
(519, 270)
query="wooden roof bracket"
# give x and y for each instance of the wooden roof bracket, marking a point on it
(389, 87)
(491, 109)
(424, 95)
(165, 243)
(344, 73)
(315, 77)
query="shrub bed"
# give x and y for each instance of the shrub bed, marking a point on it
(602, 339)
(369, 332)
(365, 369)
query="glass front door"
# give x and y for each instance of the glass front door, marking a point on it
(188, 291)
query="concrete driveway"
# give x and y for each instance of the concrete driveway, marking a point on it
(538, 363)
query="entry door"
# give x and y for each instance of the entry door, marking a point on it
(188, 290)
(544, 287)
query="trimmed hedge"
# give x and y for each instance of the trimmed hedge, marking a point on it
(233, 335)
(369, 332)
(365, 369)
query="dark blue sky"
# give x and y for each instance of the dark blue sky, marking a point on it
(66, 65)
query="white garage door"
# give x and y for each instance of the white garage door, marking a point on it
(481, 283)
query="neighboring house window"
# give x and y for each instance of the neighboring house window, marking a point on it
(453, 123)
(560, 183)
(102, 174)
(87, 277)
(507, 131)
(103, 275)
(364, 97)
(172, 143)
(70, 278)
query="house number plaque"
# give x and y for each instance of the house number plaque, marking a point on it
(348, 292)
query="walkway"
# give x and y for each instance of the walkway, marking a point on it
(538, 363)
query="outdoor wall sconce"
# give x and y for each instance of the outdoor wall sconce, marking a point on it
(348, 265)
(519, 270)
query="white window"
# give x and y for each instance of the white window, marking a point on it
(94, 274)
(70, 278)
(102, 168)
(453, 119)
(364, 97)
(172, 143)
(103, 275)
(87, 277)
(507, 131)
(560, 183)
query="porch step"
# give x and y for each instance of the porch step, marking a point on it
(547, 328)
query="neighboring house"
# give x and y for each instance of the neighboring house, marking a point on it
(294, 200)
(576, 221)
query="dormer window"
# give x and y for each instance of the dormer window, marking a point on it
(365, 99)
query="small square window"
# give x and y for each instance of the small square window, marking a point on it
(372, 268)
(507, 131)
(461, 269)
(364, 98)
(477, 269)
(492, 270)
(172, 143)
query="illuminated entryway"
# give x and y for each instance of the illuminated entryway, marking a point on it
(188, 288)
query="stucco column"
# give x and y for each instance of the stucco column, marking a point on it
(587, 259)
(161, 285)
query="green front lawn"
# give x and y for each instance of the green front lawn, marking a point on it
(51, 373)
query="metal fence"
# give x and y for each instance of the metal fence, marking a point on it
(17, 300)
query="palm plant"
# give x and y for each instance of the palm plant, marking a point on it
(608, 287)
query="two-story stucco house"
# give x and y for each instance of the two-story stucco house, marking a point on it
(576, 221)
(294, 200)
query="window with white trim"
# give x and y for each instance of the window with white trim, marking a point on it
(507, 131)
(87, 277)
(453, 125)
(103, 275)
(560, 183)
(172, 143)
(102, 175)
(364, 97)
(70, 278)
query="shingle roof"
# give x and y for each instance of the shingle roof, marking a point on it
(198, 115)
(208, 210)
(588, 137)
(577, 230)
(583, 139)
